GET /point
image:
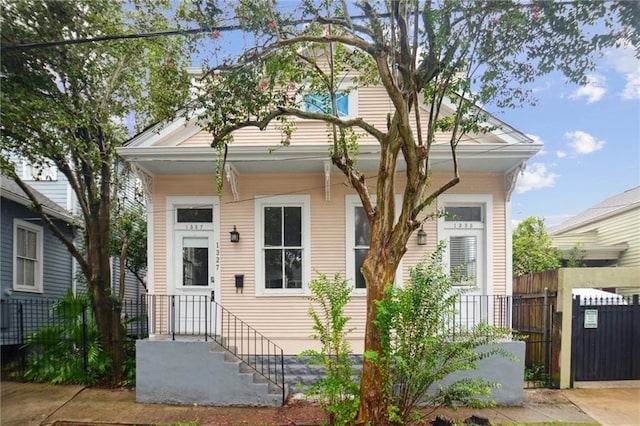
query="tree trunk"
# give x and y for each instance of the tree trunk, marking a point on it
(379, 270)
(106, 306)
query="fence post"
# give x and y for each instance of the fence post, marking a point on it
(545, 336)
(23, 356)
(635, 337)
(85, 354)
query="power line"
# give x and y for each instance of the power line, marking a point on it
(182, 32)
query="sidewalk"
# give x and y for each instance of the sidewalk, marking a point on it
(40, 404)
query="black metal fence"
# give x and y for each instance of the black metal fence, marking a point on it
(28, 327)
(605, 338)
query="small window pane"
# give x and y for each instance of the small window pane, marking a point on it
(195, 215)
(22, 243)
(292, 226)
(363, 229)
(293, 268)
(273, 226)
(463, 258)
(321, 103)
(273, 268)
(359, 260)
(463, 214)
(20, 271)
(195, 261)
(29, 273)
(32, 243)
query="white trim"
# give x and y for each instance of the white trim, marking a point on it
(39, 262)
(352, 201)
(508, 250)
(303, 201)
(151, 252)
(487, 201)
(172, 202)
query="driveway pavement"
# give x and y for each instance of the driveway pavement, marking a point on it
(41, 404)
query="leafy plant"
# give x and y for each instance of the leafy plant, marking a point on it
(69, 351)
(421, 347)
(337, 391)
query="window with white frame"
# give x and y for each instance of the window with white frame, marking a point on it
(27, 256)
(282, 244)
(358, 237)
(321, 102)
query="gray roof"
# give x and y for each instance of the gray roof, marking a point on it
(9, 189)
(612, 205)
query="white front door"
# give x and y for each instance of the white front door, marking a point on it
(463, 228)
(194, 260)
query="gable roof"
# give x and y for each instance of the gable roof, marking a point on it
(616, 204)
(10, 190)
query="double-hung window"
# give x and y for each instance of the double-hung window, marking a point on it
(27, 256)
(358, 238)
(283, 244)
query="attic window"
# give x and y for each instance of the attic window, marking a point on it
(321, 103)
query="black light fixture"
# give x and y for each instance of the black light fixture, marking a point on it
(422, 237)
(235, 235)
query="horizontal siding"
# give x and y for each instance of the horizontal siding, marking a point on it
(617, 229)
(57, 270)
(285, 318)
(373, 106)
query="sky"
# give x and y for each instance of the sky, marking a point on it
(591, 137)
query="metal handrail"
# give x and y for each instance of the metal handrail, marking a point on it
(197, 315)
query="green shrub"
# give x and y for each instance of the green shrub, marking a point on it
(69, 351)
(337, 392)
(420, 347)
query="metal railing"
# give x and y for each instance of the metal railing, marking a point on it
(195, 315)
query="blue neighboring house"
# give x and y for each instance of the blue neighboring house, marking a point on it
(35, 267)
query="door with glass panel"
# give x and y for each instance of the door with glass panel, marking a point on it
(465, 259)
(194, 272)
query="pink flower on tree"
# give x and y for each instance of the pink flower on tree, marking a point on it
(272, 25)
(216, 34)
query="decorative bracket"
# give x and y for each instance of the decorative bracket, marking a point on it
(232, 177)
(146, 179)
(511, 178)
(327, 180)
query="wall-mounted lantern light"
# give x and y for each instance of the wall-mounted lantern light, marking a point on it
(235, 235)
(422, 237)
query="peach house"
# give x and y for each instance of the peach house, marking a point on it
(285, 213)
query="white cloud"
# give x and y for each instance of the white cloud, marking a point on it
(535, 176)
(625, 62)
(594, 89)
(583, 142)
(561, 154)
(632, 88)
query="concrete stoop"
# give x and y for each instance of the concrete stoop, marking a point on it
(198, 373)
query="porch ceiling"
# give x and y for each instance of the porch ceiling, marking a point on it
(498, 158)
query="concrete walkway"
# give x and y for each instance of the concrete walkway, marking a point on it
(40, 404)
(609, 403)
